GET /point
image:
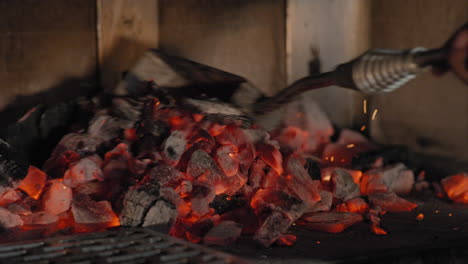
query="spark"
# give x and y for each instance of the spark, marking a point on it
(420, 217)
(450, 214)
(374, 114)
(364, 106)
(326, 178)
(317, 242)
(332, 159)
(350, 146)
(363, 128)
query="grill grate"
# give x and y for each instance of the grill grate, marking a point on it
(121, 245)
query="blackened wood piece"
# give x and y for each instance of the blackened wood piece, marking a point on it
(218, 111)
(436, 167)
(190, 78)
(12, 167)
(35, 135)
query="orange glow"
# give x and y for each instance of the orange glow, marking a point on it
(197, 117)
(216, 129)
(364, 106)
(420, 217)
(286, 240)
(318, 242)
(350, 146)
(363, 127)
(130, 134)
(176, 121)
(456, 187)
(378, 230)
(34, 182)
(450, 214)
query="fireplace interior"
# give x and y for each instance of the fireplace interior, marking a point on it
(130, 134)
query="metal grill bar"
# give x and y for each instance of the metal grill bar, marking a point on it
(120, 245)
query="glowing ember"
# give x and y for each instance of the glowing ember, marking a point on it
(212, 181)
(456, 187)
(420, 217)
(34, 182)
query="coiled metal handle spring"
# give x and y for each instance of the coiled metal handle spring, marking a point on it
(380, 71)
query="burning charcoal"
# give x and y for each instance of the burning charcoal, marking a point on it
(456, 187)
(161, 213)
(40, 218)
(390, 202)
(174, 146)
(232, 135)
(281, 211)
(357, 205)
(349, 145)
(223, 203)
(293, 139)
(343, 184)
(257, 173)
(137, 201)
(85, 170)
(127, 109)
(225, 233)
(34, 182)
(155, 128)
(308, 116)
(19, 209)
(184, 188)
(164, 175)
(203, 168)
(115, 169)
(331, 222)
(271, 155)
(9, 196)
(201, 196)
(246, 156)
(12, 168)
(107, 127)
(175, 199)
(97, 190)
(139, 166)
(286, 240)
(395, 178)
(273, 228)
(227, 159)
(70, 148)
(57, 198)
(87, 211)
(8, 219)
(300, 183)
(374, 218)
(325, 203)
